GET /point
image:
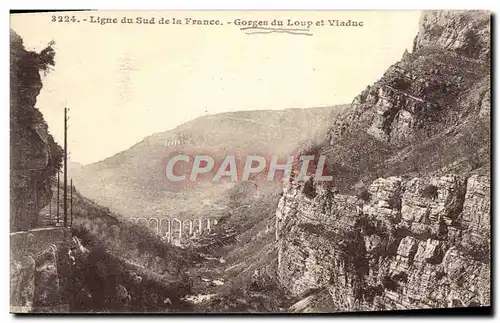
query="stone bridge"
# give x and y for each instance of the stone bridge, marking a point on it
(173, 229)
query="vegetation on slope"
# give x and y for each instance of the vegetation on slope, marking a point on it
(127, 267)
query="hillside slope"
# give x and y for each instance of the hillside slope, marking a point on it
(134, 180)
(119, 266)
(406, 222)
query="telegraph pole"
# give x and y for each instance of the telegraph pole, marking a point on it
(57, 199)
(65, 167)
(71, 202)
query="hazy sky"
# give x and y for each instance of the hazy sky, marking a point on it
(125, 82)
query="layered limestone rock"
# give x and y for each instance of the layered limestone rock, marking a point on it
(422, 238)
(417, 243)
(317, 242)
(429, 88)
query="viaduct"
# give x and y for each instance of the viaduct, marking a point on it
(172, 229)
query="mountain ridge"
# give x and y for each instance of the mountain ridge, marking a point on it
(204, 117)
(134, 180)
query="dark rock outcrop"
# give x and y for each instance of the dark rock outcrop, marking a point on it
(35, 157)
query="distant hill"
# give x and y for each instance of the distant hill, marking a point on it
(134, 181)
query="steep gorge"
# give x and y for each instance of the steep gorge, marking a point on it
(405, 225)
(406, 222)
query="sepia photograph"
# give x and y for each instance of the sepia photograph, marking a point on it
(179, 161)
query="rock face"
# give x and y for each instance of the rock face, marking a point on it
(39, 263)
(419, 234)
(22, 283)
(409, 245)
(428, 89)
(34, 154)
(465, 32)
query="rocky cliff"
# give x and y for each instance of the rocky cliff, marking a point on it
(428, 112)
(464, 32)
(417, 243)
(406, 222)
(414, 99)
(35, 157)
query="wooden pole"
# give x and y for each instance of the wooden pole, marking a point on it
(71, 203)
(65, 187)
(57, 200)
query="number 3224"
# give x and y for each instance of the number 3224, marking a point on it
(63, 19)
